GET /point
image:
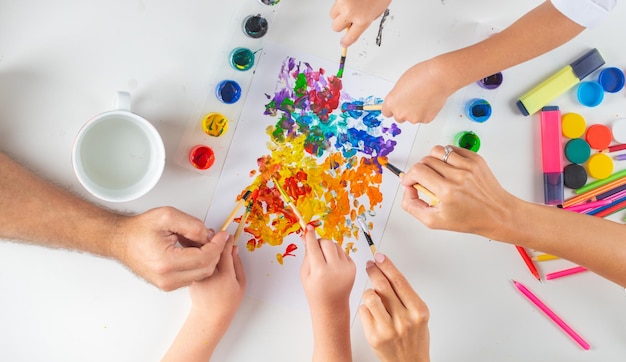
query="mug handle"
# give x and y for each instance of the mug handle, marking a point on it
(122, 101)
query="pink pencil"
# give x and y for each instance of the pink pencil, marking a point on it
(565, 272)
(555, 318)
(587, 205)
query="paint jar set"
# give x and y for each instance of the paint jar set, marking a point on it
(205, 143)
(591, 150)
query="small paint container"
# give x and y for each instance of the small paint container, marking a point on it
(255, 26)
(598, 136)
(491, 82)
(468, 140)
(215, 124)
(269, 2)
(611, 79)
(228, 91)
(618, 129)
(573, 125)
(590, 94)
(577, 150)
(242, 59)
(574, 176)
(478, 110)
(600, 166)
(202, 157)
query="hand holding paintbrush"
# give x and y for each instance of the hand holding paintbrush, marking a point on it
(433, 198)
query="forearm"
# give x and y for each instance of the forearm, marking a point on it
(595, 243)
(537, 32)
(37, 211)
(197, 339)
(331, 335)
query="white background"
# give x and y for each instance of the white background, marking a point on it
(60, 64)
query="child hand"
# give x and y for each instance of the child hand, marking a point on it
(356, 16)
(394, 317)
(327, 273)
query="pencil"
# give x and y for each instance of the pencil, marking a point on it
(418, 187)
(595, 192)
(528, 261)
(618, 205)
(291, 204)
(545, 257)
(614, 148)
(565, 272)
(342, 62)
(232, 214)
(555, 318)
(587, 205)
(368, 237)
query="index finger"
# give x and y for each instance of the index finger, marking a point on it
(313, 250)
(409, 298)
(352, 34)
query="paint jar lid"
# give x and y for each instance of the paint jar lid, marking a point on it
(255, 26)
(590, 93)
(478, 110)
(574, 176)
(242, 59)
(598, 136)
(577, 150)
(468, 140)
(618, 128)
(611, 79)
(269, 2)
(573, 125)
(202, 157)
(491, 82)
(600, 166)
(228, 91)
(215, 124)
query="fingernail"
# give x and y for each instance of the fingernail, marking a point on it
(236, 249)
(379, 257)
(369, 264)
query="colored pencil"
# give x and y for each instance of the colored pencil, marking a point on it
(368, 237)
(617, 206)
(609, 193)
(614, 148)
(545, 257)
(621, 157)
(587, 205)
(598, 183)
(565, 272)
(595, 192)
(342, 62)
(418, 187)
(291, 204)
(232, 214)
(555, 318)
(528, 261)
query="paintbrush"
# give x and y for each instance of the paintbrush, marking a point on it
(418, 187)
(366, 232)
(362, 107)
(242, 222)
(291, 204)
(238, 205)
(342, 62)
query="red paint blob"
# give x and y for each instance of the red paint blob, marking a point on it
(202, 157)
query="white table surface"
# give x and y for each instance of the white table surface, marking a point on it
(60, 64)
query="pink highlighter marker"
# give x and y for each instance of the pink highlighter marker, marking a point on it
(552, 155)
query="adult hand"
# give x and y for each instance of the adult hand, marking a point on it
(356, 16)
(420, 93)
(167, 247)
(394, 317)
(470, 198)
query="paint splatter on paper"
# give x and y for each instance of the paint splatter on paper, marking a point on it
(325, 159)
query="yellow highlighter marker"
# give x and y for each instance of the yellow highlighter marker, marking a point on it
(560, 82)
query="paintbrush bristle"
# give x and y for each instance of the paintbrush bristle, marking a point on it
(393, 168)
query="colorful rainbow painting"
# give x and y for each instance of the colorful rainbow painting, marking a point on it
(294, 129)
(326, 159)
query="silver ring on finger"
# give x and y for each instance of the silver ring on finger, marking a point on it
(446, 153)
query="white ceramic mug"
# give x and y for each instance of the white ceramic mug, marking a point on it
(118, 155)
